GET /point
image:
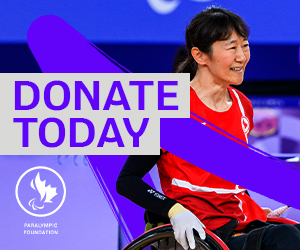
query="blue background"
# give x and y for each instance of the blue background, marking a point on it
(134, 21)
(144, 41)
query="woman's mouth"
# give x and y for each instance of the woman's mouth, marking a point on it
(237, 70)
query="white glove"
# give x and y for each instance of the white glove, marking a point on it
(183, 224)
(278, 212)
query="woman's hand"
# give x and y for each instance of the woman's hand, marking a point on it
(267, 210)
(183, 224)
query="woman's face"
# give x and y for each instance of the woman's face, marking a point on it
(229, 59)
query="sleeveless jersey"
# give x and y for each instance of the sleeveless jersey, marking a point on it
(212, 199)
(237, 121)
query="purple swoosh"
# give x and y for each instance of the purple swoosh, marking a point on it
(58, 47)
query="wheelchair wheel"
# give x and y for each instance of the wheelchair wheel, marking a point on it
(162, 238)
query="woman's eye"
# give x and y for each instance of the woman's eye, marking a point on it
(246, 45)
(232, 48)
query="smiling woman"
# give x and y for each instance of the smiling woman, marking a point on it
(227, 63)
(218, 52)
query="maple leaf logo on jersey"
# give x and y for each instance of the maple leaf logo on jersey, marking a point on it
(46, 193)
(245, 124)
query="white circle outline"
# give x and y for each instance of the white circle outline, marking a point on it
(17, 186)
(245, 118)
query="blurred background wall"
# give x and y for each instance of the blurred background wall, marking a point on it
(145, 37)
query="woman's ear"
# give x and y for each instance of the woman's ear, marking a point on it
(199, 56)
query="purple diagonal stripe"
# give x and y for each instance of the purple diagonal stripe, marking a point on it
(242, 142)
(58, 47)
(229, 160)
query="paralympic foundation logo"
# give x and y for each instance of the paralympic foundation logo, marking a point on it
(165, 7)
(40, 191)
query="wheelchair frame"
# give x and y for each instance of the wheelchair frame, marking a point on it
(212, 242)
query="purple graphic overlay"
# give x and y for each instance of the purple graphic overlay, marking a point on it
(229, 160)
(133, 215)
(214, 126)
(80, 219)
(59, 48)
(243, 143)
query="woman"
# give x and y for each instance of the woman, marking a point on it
(218, 52)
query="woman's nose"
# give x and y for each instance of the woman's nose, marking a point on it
(240, 55)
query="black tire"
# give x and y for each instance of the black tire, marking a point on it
(162, 238)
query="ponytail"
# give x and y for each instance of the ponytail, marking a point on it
(188, 66)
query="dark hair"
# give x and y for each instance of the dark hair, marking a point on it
(211, 25)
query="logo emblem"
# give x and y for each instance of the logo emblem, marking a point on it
(245, 124)
(165, 7)
(40, 191)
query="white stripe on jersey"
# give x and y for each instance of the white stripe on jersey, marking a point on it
(241, 207)
(186, 184)
(239, 102)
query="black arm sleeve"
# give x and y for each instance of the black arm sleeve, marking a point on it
(131, 185)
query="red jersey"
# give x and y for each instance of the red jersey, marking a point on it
(212, 199)
(237, 121)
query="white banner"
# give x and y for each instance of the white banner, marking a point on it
(88, 114)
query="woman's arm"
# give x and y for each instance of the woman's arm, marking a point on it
(131, 185)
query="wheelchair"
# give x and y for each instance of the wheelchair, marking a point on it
(162, 238)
